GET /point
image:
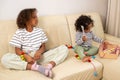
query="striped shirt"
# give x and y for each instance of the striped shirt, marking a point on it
(28, 41)
(90, 36)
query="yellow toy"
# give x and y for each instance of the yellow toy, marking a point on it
(22, 57)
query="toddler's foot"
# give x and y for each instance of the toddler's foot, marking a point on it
(86, 58)
(85, 53)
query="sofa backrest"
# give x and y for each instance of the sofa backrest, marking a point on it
(7, 29)
(3, 38)
(57, 30)
(97, 29)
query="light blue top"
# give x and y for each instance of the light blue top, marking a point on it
(90, 36)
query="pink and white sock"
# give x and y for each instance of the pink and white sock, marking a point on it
(49, 66)
(44, 70)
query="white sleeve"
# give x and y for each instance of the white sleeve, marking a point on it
(44, 37)
(16, 41)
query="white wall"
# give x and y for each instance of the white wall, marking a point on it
(9, 9)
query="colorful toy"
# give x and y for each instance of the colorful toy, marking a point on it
(95, 72)
(77, 56)
(22, 57)
(69, 46)
(110, 51)
(93, 57)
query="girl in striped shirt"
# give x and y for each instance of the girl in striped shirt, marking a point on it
(29, 42)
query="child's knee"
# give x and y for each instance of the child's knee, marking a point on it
(5, 59)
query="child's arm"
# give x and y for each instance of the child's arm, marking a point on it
(39, 52)
(97, 39)
(28, 58)
(80, 38)
(101, 47)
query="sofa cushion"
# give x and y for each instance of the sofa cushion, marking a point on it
(5, 28)
(97, 29)
(111, 68)
(57, 30)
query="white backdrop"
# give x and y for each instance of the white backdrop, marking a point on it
(9, 9)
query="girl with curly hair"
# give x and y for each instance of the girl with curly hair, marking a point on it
(84, 37)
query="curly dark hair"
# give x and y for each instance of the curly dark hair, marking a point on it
(84, 21)
(24, 16)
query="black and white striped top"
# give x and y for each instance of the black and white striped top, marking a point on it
(29, 41)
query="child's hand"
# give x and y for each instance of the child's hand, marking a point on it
(37, 56)
(29, 59)
(104, 44)
(86, 58)
(84, 38)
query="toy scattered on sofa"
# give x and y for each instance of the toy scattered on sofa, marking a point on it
(22, 57)
(110, 51)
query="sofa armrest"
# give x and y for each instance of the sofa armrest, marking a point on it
(112, 39)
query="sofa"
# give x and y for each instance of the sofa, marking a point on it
(60, 30)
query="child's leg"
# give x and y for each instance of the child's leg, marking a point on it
(42, 69)
(54, 56)
(92, 51)
(13, 61)
(80, 51)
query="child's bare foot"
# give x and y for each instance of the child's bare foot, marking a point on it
(86, 58)
(85, 53)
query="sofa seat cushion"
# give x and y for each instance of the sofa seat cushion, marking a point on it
(56, 29)
(70, 69)
(74, 69)
(111, 68)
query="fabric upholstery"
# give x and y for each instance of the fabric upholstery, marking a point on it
(55, 27)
